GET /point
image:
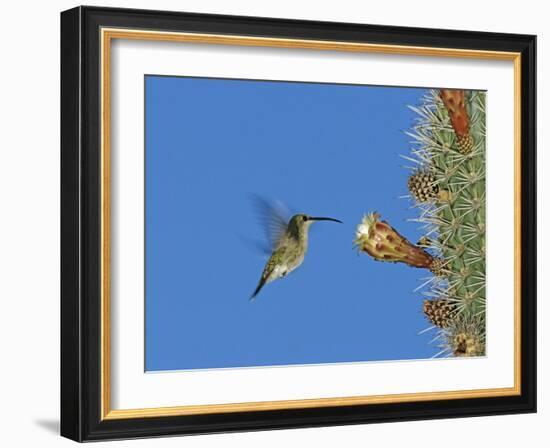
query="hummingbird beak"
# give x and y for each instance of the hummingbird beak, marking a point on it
(322, 218)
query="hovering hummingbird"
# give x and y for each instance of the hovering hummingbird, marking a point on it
(289, 240)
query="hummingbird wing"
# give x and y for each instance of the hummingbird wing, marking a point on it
(257, 245)
(273, 216)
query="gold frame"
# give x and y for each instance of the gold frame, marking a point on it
(107, 35)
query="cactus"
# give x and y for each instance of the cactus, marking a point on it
(449, 142)
(447, 186)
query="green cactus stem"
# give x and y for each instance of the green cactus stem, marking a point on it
(449, 143)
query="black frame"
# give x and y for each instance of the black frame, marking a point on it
(80, 224)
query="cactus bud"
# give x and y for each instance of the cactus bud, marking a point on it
(466, 337)
(455, 105)
(439, 312)
(422, 186)
(438, 267)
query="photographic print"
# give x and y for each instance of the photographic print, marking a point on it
(273, 223)
(294, 223)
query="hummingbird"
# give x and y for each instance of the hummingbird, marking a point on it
(289, 241)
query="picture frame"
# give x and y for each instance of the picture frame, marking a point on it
(87, 37)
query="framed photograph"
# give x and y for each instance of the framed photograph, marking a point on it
(273, 223)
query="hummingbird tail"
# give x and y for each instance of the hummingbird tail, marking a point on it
(258, 288)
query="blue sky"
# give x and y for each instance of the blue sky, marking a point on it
(322, 149)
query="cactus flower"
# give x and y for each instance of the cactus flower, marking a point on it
(382, 242)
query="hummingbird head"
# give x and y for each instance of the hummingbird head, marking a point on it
(302, 221)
